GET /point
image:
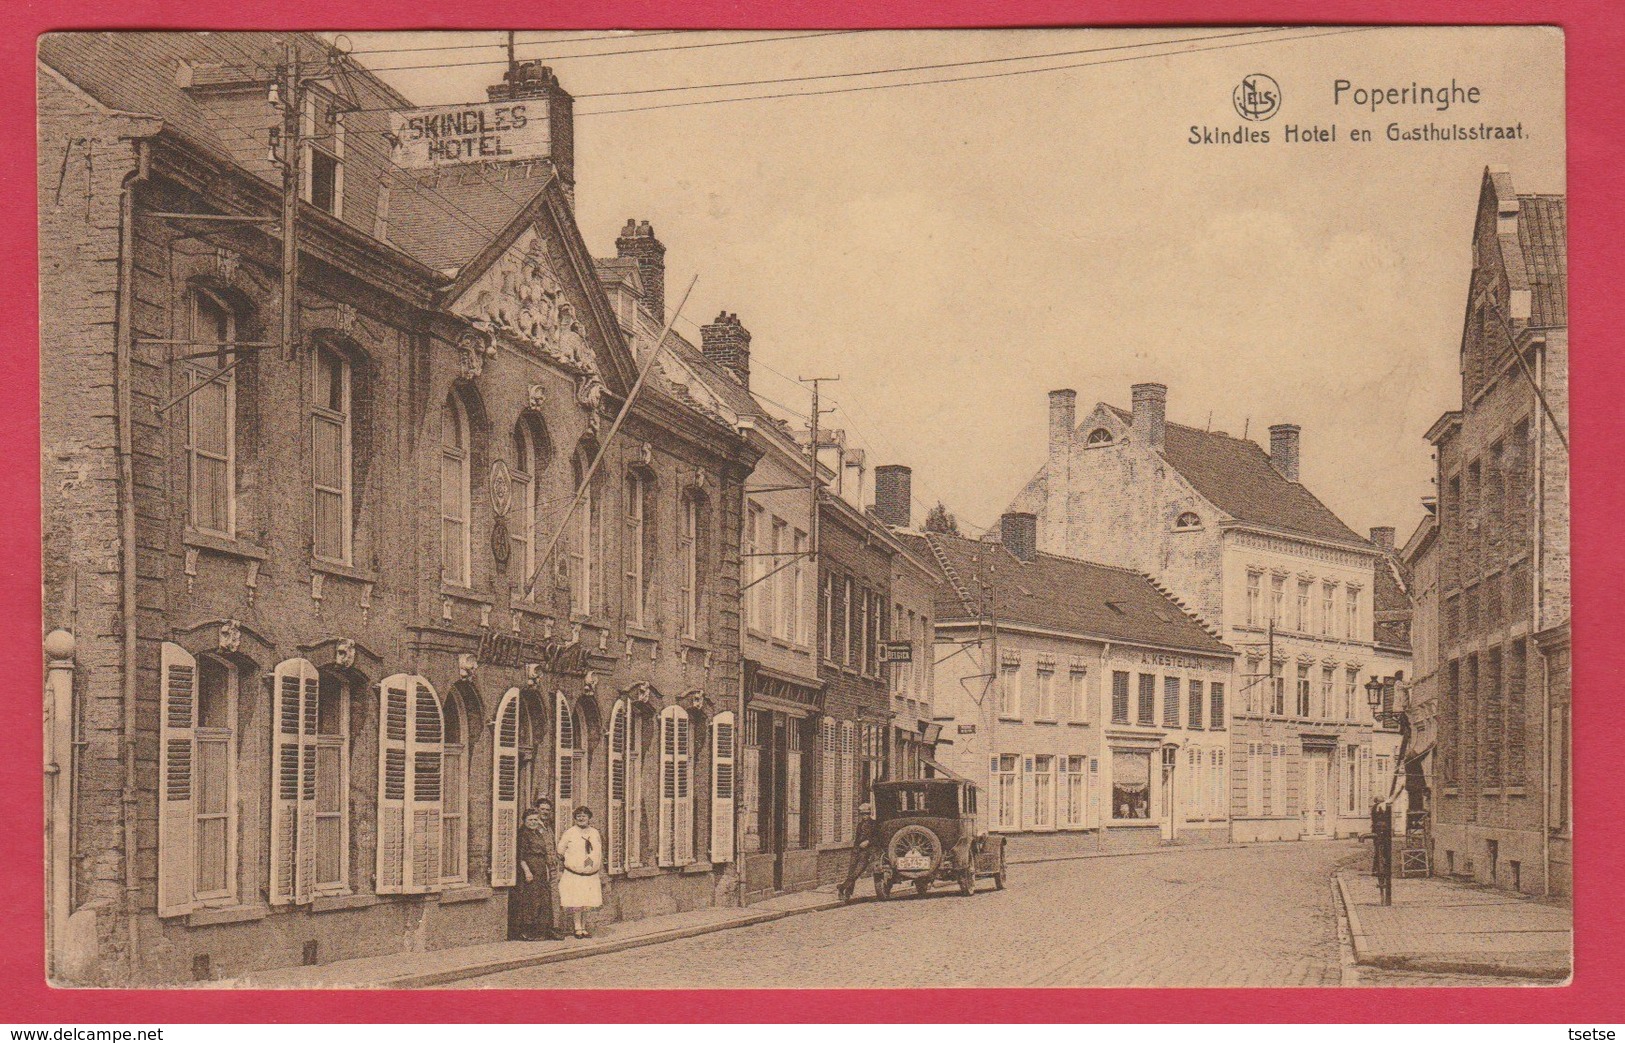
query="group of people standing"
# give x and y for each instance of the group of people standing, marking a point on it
(555, 874)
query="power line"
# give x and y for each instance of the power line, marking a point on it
(922, 68)
(503, 43)
(896, 69)
(965, 79)
(615, 54)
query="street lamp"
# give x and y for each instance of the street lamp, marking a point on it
(1377, 695)
(1382, 815)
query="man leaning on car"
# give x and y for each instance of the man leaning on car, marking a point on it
(862, 850)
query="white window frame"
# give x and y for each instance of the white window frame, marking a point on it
(1328, 608)
(1255, 597)
(1010, 689)
(456, 469)
(1352, 607)
(341, 420)
(754, 562)
(340, 742)
(780, 601)
(1007, 791)
(1044, 792)
(197, 376)
(799, 626)
(1046, 693)
(309, 145)
(454, 763)
(688, 547)
(635, 494)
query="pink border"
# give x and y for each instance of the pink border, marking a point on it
(1595, 37)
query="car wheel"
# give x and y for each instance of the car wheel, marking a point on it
(915, 849)
(967, 881)
(883, 887)
(922, 886)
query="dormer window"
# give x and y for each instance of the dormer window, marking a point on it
(1100, 436)
(322, 134)
(1188, 520)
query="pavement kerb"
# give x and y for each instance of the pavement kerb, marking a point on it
(1160, 849)
(431, 979)
(1431, 965)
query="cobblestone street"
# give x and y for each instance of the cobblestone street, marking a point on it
(1259, 916)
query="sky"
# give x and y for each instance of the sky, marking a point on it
(953, 251)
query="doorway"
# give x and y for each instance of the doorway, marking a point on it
(1317, 771)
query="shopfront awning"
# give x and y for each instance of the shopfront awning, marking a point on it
(941, 772)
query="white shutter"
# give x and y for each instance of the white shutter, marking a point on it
(844, 786)
(1029, 793)
(177, 859)
(394, 701)
(427, 777)
(828, 769)
(668, 785)
(564, 753)
(505, 792)
(295, 691)
(722, 787)
(683, 826)
(617, 788)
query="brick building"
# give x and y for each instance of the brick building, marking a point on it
(1391, 621)
(1081, 695)
(315, 680)
(1420, 557)
(1238, 539)
(1503, 808)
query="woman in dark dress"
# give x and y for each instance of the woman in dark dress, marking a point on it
(532, 896)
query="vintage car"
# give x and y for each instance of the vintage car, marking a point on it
(928, 830)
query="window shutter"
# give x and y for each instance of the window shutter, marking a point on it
(1029, 794)
(427, 779)
(564, 752)
(295, 690)
(828, 769)
(505, 792)
(684, 824)
(177, 865)
(722, 787)
(668, 786)
(394, 698)
(617, 788)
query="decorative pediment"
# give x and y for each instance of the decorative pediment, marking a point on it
(521, 296)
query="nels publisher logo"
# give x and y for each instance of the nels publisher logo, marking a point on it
(1257, 97)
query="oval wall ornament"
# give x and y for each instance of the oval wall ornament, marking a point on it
(501, 486)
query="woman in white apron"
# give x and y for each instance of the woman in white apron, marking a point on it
(582, 848)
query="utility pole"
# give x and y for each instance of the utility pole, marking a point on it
(292, 114)
(814, 484)
(513, 63)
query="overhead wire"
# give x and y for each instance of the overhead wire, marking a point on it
(617, 54)
(614, 35)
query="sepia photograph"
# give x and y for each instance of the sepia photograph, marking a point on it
(809, 509)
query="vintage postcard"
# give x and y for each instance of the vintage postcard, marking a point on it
(805, 509)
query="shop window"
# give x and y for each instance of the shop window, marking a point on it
(1131, 785)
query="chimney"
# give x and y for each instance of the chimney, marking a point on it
(1019, 532)
(1284, 450)
(637, 243)
(1150, 413)
(727, 343)
(533, 80)
(854, 461)
(1382, 537)
(894, 495)
(1063, 419)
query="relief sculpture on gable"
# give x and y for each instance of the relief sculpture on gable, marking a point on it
(522, 297)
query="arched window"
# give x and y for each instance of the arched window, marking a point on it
(455, 494)
(197, 772)
(1100, 436)
(639, 549)
(410, 771)
(625, 793)
(309, 784)
(454, 795)
(587, 539)
(676, 787)
(522, 515)
(690, 554)
(211, 417)
(1188, 520)
(330, 458)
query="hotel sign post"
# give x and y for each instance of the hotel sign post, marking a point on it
(443, 135)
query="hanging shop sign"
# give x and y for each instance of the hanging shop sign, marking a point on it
(896, 652)
(446, 134)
